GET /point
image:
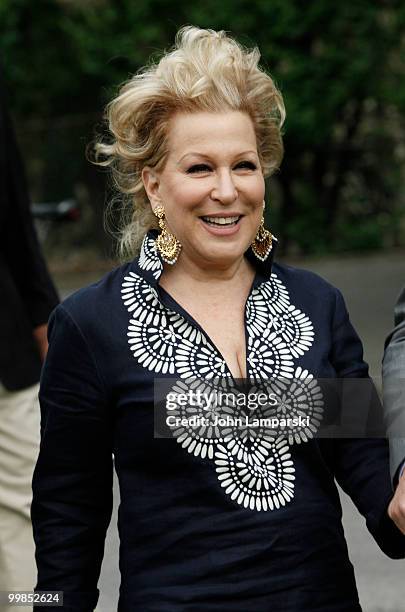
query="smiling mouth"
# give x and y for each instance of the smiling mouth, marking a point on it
(221, 221)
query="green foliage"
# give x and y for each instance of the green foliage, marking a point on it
(340, 66)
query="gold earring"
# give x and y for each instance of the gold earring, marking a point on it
(263, 242)
(166, 243)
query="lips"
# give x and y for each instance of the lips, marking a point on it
(221, 221)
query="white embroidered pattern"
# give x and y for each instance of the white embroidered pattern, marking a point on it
(195, 360)
(295, 329)
(262, 485)
(300, 397)
(255, 467)
(269, 356)
(148, 257)
(201, 442)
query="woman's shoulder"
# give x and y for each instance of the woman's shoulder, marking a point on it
(311, 292)
(302, 279)
(96, 301)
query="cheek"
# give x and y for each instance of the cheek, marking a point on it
(256, 194)
(254, 188)
(260, 188)
(183, 193)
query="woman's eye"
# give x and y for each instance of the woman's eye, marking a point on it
(198, 168)
(246, 164)
(205, 168)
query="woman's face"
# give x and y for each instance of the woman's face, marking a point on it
(211, 187)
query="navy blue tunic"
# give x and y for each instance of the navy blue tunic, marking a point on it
(216, 526)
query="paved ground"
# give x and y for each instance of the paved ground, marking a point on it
(370, 286)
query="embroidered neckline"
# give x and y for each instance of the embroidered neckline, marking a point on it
(257, 474)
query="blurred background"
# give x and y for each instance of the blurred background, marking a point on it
(337, 205)
(339, 65)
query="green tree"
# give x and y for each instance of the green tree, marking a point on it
(340, 67)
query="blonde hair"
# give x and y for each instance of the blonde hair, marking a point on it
(205, 71)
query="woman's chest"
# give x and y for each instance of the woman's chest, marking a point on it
(224, 325)
(272, 336)
(265, 336)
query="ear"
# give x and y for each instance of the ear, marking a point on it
(151, 182)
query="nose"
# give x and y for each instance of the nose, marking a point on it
(224, 190)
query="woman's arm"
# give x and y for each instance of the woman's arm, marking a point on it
(72, 484)
(362, 464)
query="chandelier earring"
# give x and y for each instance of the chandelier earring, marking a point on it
(166, 243)
(263, 241)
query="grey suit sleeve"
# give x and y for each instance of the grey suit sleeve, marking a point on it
(394, 388)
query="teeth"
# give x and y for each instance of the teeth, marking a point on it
(221, 220)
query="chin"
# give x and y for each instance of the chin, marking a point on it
(221, 255)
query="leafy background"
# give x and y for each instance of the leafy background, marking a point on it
(339, 65)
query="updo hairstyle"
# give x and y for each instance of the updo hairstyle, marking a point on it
(205, 71)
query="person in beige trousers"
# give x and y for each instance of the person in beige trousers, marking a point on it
(27, 297)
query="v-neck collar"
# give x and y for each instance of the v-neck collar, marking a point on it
(149, 266)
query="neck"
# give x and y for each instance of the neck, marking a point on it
(186, 270)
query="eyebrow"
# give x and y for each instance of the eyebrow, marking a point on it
(196, 153)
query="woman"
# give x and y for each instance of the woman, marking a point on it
(223, 522)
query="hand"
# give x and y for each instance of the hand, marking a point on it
(41, 340)
(396, 509)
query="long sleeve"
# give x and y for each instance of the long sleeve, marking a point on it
(72, 484)
(393, 372)
(28, 295)
(18, 241)
(362, 465)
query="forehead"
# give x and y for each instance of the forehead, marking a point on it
(210, 133)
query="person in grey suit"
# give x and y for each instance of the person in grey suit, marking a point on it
(394, 409)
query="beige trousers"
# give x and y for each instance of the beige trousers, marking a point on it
(19, 445)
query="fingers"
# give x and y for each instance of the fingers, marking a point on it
(396, 509)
